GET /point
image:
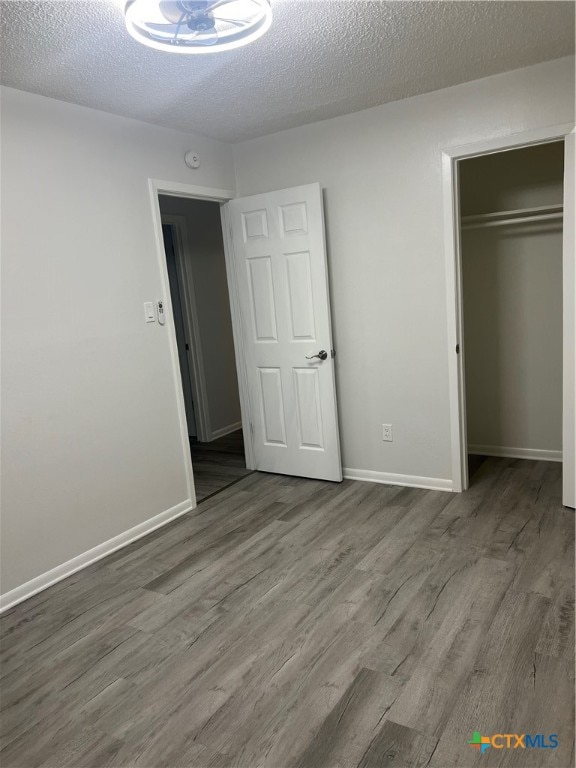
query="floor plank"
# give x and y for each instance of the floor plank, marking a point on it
(293, 623)
(218, 464)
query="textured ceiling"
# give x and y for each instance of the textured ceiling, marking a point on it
(320, 59)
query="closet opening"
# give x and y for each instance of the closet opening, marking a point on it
(511, 289)
(195, 261)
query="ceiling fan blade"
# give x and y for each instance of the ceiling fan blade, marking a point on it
(173, 38)
(153, 26)
(171, 10)
(178, 25)
(236, 22)
(216, 4)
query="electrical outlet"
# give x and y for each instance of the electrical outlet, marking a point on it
(387, 433)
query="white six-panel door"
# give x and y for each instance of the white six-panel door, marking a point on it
(279, 257)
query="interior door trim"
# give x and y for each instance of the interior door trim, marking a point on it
(176, 189)
(450, 158)
(239, 346)
(190, 312)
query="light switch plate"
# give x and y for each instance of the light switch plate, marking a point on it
(149, 313)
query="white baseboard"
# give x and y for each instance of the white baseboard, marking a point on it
(45, 580)
(225, 430)
(535, 454)
(389, 478)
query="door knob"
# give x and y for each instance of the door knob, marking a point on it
(322, 355)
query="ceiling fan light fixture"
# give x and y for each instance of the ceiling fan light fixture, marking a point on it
(197, 26)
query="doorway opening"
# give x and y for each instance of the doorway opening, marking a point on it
(273, 292)
(511, 211)
(508, 216)
(196, 267)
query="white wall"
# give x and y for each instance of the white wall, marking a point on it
(512, 297)
(207, 267)
(91, 443)
(381, 170)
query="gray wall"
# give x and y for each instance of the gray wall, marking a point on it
(91, 442)
(512, 281)
(207, 268)
(91, 437)
(382, 175)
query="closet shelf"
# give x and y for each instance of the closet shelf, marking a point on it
(519, 216)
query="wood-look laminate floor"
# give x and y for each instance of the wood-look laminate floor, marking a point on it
(218, 464)
(295, 623)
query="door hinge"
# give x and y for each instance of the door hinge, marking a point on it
(187, 347)
(457, 349)
(332, 353)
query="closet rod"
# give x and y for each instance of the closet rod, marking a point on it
(508, 222)
(505, 218)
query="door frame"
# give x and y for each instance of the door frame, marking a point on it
(453, 263)
(238, 334)
(190, 311)
(158, 187)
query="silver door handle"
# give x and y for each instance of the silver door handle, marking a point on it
(322, 355)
